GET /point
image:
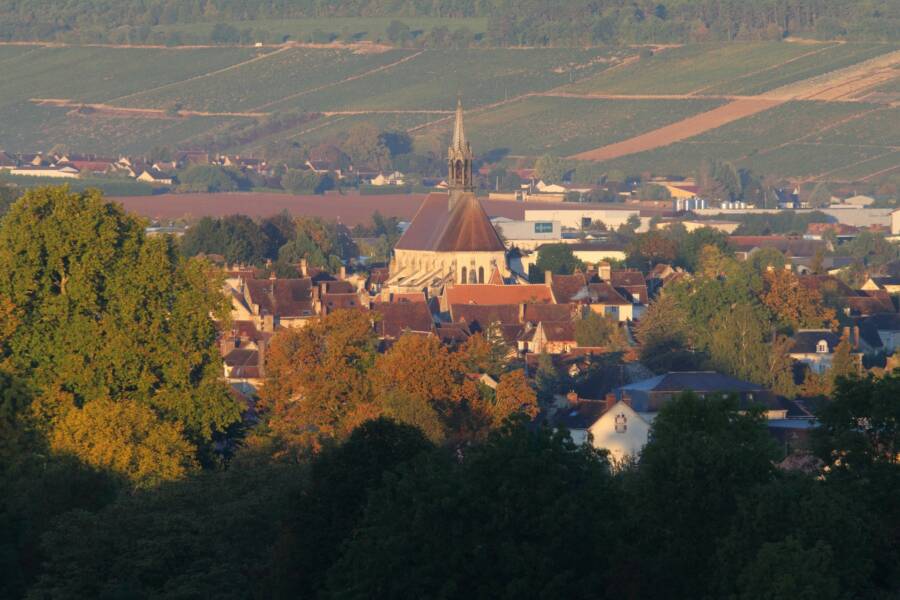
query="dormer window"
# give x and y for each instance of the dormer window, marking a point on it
(822, 347)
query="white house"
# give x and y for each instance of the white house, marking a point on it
(617, 428)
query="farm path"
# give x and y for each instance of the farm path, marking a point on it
(765, 69)
(204, 75)
(680, 130)
(359, 47)
(840, 85)
(882, 172)
(345, 80)
(142, 113)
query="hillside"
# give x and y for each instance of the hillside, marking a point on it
(795, 109)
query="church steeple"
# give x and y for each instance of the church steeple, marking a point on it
(459, 158)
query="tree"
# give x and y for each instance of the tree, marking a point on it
(398, 32)
(485, 352)
(208, 178)
(795, 306)
(648, 249)
(820, 197)
(651, 191)
(514, 396)
(550, 169)
(694, 242)
(124, 438)
(702, 456)
(318, 387)
(738, 343)
(331, 507)
(365, 147)
(108, 314)
(433, 513)
(300, 182)
(558, 259)
(596, 330)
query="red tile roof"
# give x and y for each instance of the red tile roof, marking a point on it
(604, 293)
(397, 318)
(282, 297)
(548, 312)
(498, 294)
(440, 227)
(566, 286)
(480, 317)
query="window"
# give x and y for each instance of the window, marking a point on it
(543, 227)
(585, 222)
(480, 274)
(464, 274)
(822, 347)
(621, 423)
(611, 311)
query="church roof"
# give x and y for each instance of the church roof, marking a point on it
(464, 227)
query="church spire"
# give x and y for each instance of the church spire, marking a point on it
(459, 132)
(459, 159)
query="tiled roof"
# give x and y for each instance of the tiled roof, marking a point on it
(870, 303)
(241, 357)
(825, 283)
(498, 294)
(452, 333)
(565, 287)
(282, 297)
(790, 246)
(884, 321)
(479, 316)
(548, 312)
(581, 415)
(806, 341)
(559, 331)
(439, 228)
(604, 293)
(332, 302)
(396, 318)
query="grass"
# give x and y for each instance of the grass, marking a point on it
(432, 79)
(879, 127)
(855, 172)
(563, 126)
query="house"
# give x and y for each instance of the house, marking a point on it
(631, 285)
(593, 253)
(609, 424)
(552, 337)
(605, 300)
(649, 395)
(155, 177)
(889, 284)
(745, 245)
(65, 172)
(612, 215)
(396, 178)
(7, 161)
(815, 348)
(886, 330)
(492, 294)
(274, 303)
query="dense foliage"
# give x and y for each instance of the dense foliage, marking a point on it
(511, 22)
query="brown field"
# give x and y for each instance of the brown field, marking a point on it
(681, 130)
(349, 209)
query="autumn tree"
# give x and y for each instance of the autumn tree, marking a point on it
(648, 249)
(125, 438)
(485, 352)
(514, 395)
(318, 385)
(794, 305)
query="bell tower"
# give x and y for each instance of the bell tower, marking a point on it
(459, 159)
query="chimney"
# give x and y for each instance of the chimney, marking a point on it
(304, 268)
(522, 312)
(343, 273)
(272, 276)
(572, 398)
(261, 352)
(548, 277)
(610, 400)
(604, 270)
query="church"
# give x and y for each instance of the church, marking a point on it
(450, 240)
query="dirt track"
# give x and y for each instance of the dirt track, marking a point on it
(681, 130)
(141, 113)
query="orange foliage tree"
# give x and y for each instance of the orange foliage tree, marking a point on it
(514, 395)
(793, 304)
(318, 385)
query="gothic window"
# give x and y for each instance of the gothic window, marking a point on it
(459, 170)
(621, 423)
(464, 273)
(480, 274)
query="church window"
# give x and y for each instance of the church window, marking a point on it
(464, 273)
(480, 274)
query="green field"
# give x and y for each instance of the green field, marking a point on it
(502, 89)
(841, 140)
(254, 85)
(738, 68)
(563, 126)
(432, 79)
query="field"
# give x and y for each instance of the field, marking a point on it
(563, 126)
(741, 102)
